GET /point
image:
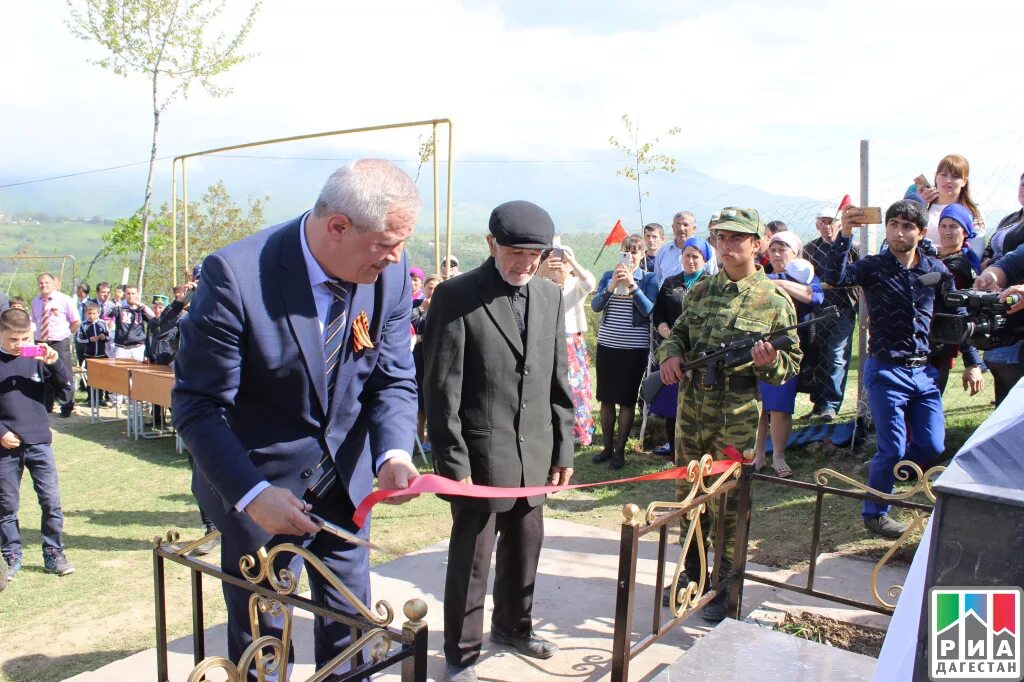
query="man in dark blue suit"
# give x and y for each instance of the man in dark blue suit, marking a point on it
(295, 384)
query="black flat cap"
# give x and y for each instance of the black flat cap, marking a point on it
(522, 225)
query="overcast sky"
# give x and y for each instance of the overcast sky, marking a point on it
(771, 94)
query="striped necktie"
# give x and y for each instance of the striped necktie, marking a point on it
(333, 337)
(44, 321)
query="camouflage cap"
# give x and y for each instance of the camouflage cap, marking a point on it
(743, 220)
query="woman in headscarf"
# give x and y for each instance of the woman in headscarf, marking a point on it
(795, 276)
(956, 227)
(667, 309)
(416, 276)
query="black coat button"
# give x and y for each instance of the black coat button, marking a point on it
(307, 473)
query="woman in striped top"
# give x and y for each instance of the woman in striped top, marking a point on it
(625, 297)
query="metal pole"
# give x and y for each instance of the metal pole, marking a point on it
(437, 198)
(174, 223)
(451, 170)
(862, 341)
(184, 209)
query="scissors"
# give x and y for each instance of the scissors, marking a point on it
(340, 532)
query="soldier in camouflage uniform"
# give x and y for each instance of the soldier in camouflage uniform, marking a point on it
(736, 301)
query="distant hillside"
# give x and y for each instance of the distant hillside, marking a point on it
(581, 196)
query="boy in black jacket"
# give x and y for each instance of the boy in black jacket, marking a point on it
(25, 439)
(92, 339)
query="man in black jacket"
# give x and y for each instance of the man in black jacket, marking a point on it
(499, 413)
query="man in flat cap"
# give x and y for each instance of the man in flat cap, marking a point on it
(499, 413)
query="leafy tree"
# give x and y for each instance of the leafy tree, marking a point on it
(213, 222)
(165, 40)
(642, 159)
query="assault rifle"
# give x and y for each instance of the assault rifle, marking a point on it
(731, 354)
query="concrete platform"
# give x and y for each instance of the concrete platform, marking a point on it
(574, 606)
(736, 652)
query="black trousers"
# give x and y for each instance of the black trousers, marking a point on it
(519, 533)
(66, 397)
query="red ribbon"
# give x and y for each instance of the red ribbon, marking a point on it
(432, 483)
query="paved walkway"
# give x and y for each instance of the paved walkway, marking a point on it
(574, 606)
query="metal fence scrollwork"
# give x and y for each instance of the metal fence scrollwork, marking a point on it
(274, 593)
(905, 471)
(687, 596)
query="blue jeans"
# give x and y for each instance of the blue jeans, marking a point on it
(38, 458)
(902, 398)
(833, 343)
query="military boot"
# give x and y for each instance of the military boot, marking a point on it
(718, 607)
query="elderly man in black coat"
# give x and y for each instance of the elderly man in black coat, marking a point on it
(499, 413)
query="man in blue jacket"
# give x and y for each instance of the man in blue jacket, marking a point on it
(295, 385)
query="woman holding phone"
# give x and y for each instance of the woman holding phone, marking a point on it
(952, 186)
(625, 297)
(576, 282)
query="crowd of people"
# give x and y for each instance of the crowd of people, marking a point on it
(328, 360)
(44, 340)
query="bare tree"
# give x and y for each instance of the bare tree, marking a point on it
(642, 159)
(166, 41)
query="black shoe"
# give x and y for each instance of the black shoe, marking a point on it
(209, 545)
(54, 561)
(66, 412)
(825, 415)
(618, 461)
(532, 645)
(460, 673)
(11, 566)
(601, 457)
(885, 526)
(717, 608)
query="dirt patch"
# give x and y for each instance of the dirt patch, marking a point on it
(855, 638)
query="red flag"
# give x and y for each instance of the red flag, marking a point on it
(617, 235)
(844, 203)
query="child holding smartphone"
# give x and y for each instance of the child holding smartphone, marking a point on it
(25, 369)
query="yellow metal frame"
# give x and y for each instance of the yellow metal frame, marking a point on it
(64, 257)
(433, 123)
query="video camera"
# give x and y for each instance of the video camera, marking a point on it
(986, 325)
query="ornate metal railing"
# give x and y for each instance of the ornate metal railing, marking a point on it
(274, 593)
(687, 596)
(905, 471)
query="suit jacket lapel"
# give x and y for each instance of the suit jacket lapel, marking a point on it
(297, 296)
(495, 299)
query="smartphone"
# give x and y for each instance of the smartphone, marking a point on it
(32, 352)
(626, 259)
(558, 252)
(922, 182)
(872, 216)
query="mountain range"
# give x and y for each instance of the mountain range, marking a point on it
(583, 196)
